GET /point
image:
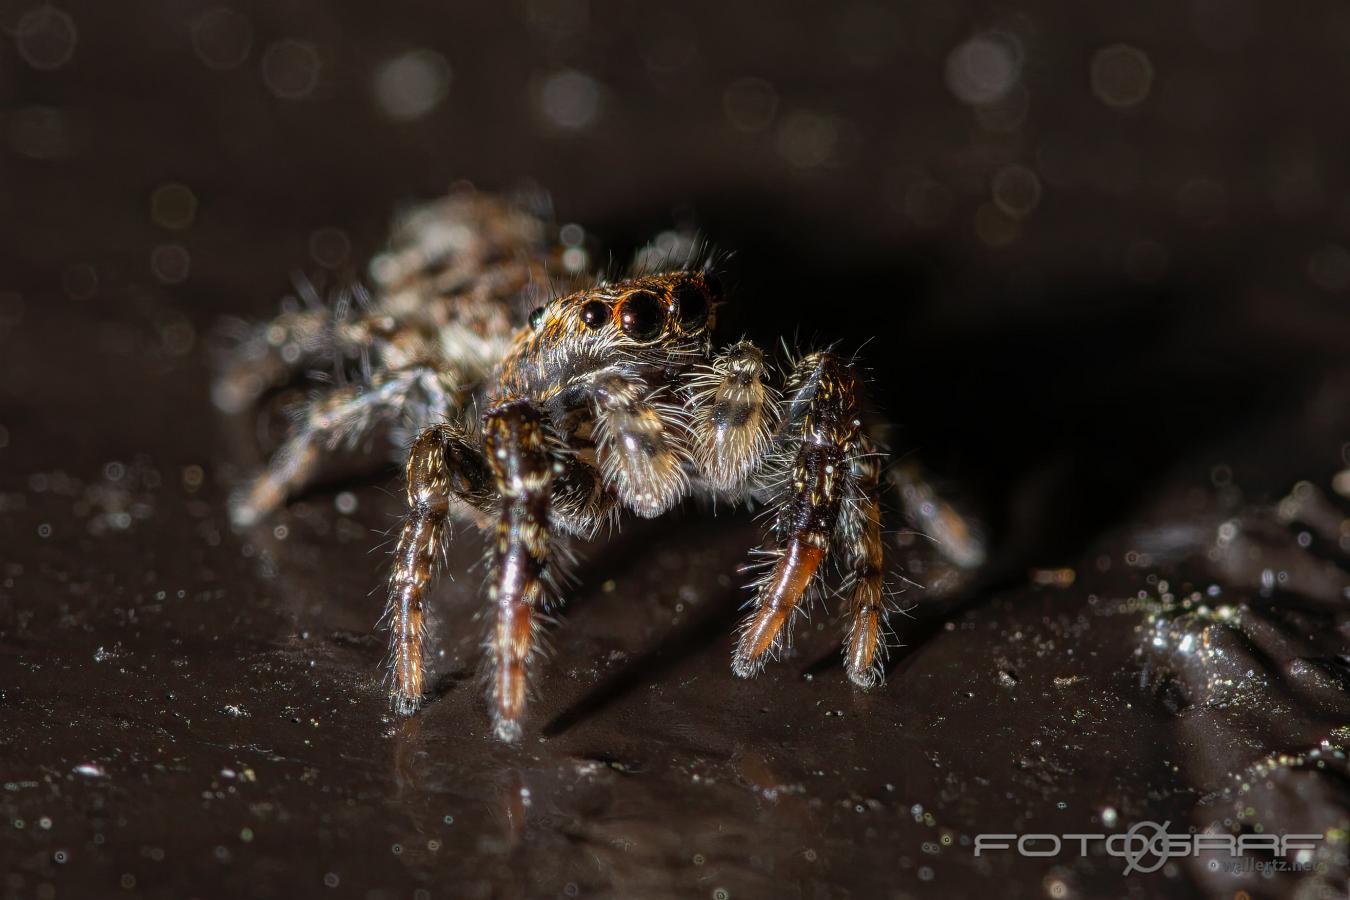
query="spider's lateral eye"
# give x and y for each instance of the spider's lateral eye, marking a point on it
(537, 318)
(642, 316)
(691, 307)
(594, 314)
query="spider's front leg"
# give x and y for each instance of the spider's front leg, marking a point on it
(826, 466)
(523, 468)
(444, 468)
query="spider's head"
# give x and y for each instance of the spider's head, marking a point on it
(649, 319)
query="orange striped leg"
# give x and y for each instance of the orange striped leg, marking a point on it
(522, 468)
(859, 539)
(822, 402)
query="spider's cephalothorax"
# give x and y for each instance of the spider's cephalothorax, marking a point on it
(541, 419)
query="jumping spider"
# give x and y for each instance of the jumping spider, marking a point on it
(541, 417)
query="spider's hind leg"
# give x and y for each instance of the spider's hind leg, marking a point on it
(820, 437)
(341, 417)
(271, 354)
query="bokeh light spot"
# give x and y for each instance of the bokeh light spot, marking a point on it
(170, 263)
(222, 38)
(46, 38)
(1121, 76)
(290, 69)
(569, 99)
(808, 139)
(173, 206)
(412, 84)
(984, 68)
(1016, 190)
(329, 247)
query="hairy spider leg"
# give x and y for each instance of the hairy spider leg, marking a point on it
(858, 538)
(819, 428)
(523, 469)
(338, 418)
(443, 467)
(271, 355)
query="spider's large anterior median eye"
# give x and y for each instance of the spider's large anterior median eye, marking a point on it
(594, 314)
(691, 307)
(537, 318)
(641, 316)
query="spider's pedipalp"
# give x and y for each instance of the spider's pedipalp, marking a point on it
(734, 416)
(640, 441)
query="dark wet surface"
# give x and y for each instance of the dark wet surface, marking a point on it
(1140, 385)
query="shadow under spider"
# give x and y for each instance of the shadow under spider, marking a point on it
(714, 621)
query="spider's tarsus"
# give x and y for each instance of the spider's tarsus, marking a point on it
(405, 706)
(507, 730)
(243, 513)
(866, 679)
(742, 667)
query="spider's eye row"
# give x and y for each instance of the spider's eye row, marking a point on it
(691, 307)
(537, 318)
(594, 314)
(642, 315)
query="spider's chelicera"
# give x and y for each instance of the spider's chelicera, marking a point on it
(541, 422)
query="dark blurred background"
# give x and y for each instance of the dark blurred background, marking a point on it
(995, 198)
(1096, 257)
